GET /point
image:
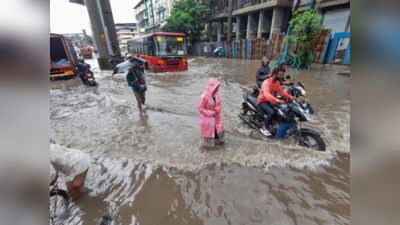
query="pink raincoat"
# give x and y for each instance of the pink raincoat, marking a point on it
(210, 127)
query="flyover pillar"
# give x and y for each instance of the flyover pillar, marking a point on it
(99, 34)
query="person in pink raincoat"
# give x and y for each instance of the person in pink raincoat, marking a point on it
(209, 106)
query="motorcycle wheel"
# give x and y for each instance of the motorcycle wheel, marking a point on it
(313, 142)
(246, 117)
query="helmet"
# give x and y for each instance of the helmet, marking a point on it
(115, 55)
(138, 55)
(283, 63)
(81, 60)
(129, 57)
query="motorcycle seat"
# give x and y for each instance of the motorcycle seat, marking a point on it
(253, 102)
(257, 87)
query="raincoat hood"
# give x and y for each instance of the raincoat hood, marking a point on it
(210, 115)
(212, 85)
(264, 59)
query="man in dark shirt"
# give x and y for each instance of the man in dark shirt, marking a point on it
(132, 78)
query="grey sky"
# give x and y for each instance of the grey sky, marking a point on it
(67, 17)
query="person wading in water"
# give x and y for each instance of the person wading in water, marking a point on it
(209, 106)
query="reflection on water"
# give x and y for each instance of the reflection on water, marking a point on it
(149, 167)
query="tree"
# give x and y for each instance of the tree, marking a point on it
(184, 18)
(90, 40)
(306, 27)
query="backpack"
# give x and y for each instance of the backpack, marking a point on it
(140, 85)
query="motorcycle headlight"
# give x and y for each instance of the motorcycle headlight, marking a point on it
(303, 92)
(308, 116)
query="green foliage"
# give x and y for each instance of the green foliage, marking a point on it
(306, 27)
(90, 40)
(184, 16)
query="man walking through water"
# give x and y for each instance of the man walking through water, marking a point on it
(132, 78)
(268, 89)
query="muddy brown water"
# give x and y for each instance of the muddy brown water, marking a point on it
(149, 167)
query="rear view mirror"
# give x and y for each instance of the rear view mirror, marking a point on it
(287, 77)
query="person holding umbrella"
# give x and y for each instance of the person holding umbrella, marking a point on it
(134, 78)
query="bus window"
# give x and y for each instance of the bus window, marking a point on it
(170, 45)
(146, 49)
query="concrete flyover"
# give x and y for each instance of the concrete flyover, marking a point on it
(102, 25)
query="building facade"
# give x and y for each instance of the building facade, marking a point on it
(248, 19)
(125, 32)
(150, 15)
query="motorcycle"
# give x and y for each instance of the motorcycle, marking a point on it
(297, 91)
(288, 122)
(88, 77)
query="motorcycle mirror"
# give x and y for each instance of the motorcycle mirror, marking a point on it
(288, 77)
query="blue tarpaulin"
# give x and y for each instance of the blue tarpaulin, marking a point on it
(62, 62)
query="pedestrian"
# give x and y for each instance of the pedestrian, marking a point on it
(132, 78)
(114, 60)
(73, 164)
(209, 106)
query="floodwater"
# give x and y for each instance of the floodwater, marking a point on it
(149, 167)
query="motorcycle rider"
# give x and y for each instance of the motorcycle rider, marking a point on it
(83, 68)
(268, 88)
(114, 60)
(263, 72)
(283, 64)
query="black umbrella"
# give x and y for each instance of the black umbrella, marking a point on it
(127, 64)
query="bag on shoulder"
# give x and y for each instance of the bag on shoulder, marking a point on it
(140, 85)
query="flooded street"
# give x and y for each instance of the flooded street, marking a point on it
(149, 167)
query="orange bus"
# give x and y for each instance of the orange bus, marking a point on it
(164, 52)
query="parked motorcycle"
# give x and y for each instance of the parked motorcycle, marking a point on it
(297, 90)
(288, 122)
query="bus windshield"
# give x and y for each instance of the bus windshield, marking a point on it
(170, 45)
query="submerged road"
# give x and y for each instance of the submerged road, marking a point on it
(149, 167)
